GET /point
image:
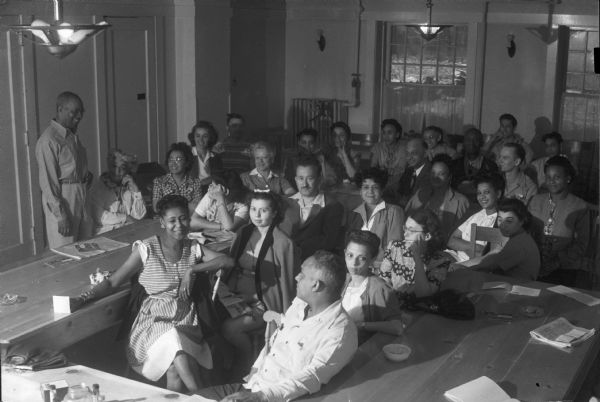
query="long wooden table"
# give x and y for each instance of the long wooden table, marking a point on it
(33, 321)
(447, 353)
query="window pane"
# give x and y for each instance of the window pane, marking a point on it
(445, 76)
(413, 74)
(577, 40)
(592, 41)
(397, 53)
(430, 53)
(397, 73)
(460, 76)
(575, 62)
(428, 75)
(589, 62)
(575, 81)
(413, 50)
(592, 82)
(398, 34)
(446, 55)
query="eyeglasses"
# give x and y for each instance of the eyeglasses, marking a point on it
(411, 230)
(176, 160)
(372, 188)
(361, 258)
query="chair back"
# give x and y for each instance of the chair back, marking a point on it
(492, 235)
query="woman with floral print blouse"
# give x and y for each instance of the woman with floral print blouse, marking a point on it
(416, 264)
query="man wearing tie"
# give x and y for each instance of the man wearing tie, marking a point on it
(313, 219)
(63, 173)
(417, 174)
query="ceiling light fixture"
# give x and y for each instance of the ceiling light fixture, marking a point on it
(547, 33)
(429, 31)
(60, 38)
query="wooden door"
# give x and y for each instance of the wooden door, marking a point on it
(131, 87)
(20, 236)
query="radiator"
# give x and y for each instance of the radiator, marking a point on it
(319, 114)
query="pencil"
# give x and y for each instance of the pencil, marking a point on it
(214, 294)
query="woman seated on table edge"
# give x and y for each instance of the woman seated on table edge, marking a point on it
(266, 262)
(489, 191)
(416, 264)
(368, 299)
(520, 257)
(374, 214)
(115, 200)
(179, 180)
(560, 224)
(262, 177)
(341, 162)
(203, 138)
(222, 207)
(165, 338)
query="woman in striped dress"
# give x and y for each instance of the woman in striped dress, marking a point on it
(165, 337)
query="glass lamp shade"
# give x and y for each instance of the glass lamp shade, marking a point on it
(429, 32)
(61, 39)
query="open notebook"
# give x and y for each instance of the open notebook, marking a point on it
(478, 390)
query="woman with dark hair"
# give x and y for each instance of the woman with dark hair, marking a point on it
(560, 224)
(339, 157)
(374, 214)
(489, 192)
(520, 257)
(433, 137)
(179, 181)
(552, 147)
(165, 338)
(368, 299)
(223, 207)
(417, 264)
(203, 137)
(390, 153)
(266, 263)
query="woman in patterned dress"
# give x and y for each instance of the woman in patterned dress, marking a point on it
(390, 153)
(179, 180)
(417, 264)
(165, 338)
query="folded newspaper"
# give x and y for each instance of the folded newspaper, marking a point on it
(88, 248)
(561, 333)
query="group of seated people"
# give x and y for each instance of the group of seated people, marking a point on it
(420, 197)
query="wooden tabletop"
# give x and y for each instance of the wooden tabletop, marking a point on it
(33, 321)
(25, 386)
(447, 353)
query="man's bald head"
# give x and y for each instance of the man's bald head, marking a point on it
(69, 110)
(415, 152)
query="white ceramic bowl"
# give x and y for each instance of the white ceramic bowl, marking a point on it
(396, 352)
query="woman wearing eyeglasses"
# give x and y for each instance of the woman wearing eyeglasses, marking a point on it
(374, 214)
(368, 299)
(417, 264)
(179, 180)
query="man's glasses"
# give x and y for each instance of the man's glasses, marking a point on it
(176, 160)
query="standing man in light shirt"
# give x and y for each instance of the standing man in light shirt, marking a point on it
(63, 173)
(313, 340)
(313, 219)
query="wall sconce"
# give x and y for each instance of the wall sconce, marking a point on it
(429, 31)
(511, 47)
(321, 42)
(60, 38)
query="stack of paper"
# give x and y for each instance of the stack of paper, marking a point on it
(480, 389)
(88, 248)
(561, 333)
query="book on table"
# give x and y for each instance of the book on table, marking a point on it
(477, 390)
(561, 333)
(89, 248)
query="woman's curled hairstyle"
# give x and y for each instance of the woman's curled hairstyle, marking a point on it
(518, 208)
(274, 200)
(171, 201)
(186, 150)
(431, 224)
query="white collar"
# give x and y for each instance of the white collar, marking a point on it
(318, 200)
(418, 171)
(272, 174)
(209, 154)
